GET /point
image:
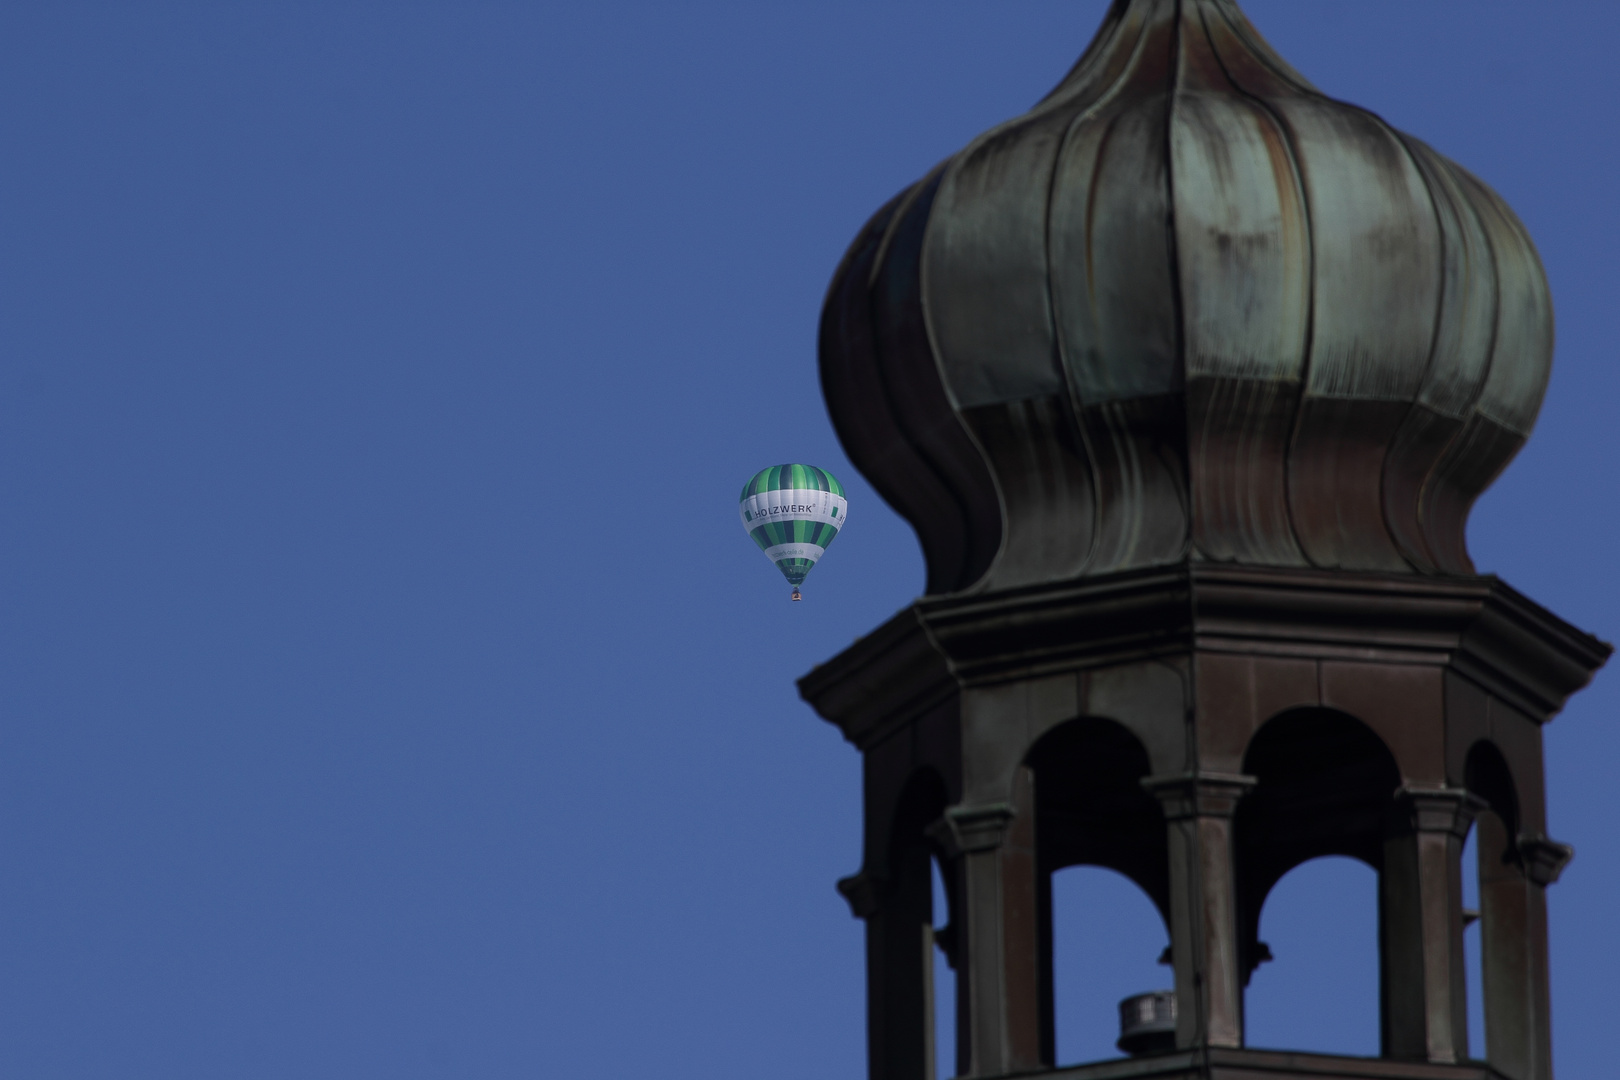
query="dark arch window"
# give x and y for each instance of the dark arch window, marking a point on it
(944, 981)
(1490, 780)
(1471, 946)
(1491, 876)
(1103, 925)
(1320, 990)
(1107, 942)
(1323, 791)
(903, 936)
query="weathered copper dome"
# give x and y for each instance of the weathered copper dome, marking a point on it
(1187, 308)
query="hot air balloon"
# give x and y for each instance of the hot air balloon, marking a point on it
(793, 512)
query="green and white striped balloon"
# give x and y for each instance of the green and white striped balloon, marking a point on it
(793, 512)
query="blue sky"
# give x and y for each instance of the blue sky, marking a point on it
(386, 686)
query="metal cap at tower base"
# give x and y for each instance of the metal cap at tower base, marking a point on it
(1147, 1022)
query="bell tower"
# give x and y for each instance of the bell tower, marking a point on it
(1187, 380)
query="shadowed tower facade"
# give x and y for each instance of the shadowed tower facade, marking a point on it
(1187, 379)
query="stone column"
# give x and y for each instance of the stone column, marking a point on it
(1513, 877)
(899, 966)
(1423, 989)
(997, 943)
(1198, 812)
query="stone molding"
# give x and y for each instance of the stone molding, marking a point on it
(1477, 626)
(862, 892)
(1544, 858)
(1200, 794)
(1222, 1063)
(1426, 809)
(964, 830)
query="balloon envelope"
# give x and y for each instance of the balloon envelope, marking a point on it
(793, 512)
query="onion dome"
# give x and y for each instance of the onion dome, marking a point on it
(1187, 308)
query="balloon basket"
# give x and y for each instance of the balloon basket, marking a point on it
(796, 595)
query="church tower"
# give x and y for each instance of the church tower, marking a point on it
(1187, 380)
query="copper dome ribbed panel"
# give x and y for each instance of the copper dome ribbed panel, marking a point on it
(1187, 307)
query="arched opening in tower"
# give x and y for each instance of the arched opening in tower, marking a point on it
(944, 980)
(1320, 990)
(1107, 943)
(1103, 874)
(1309, 846)
(1471, 946)
(1493, 876)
